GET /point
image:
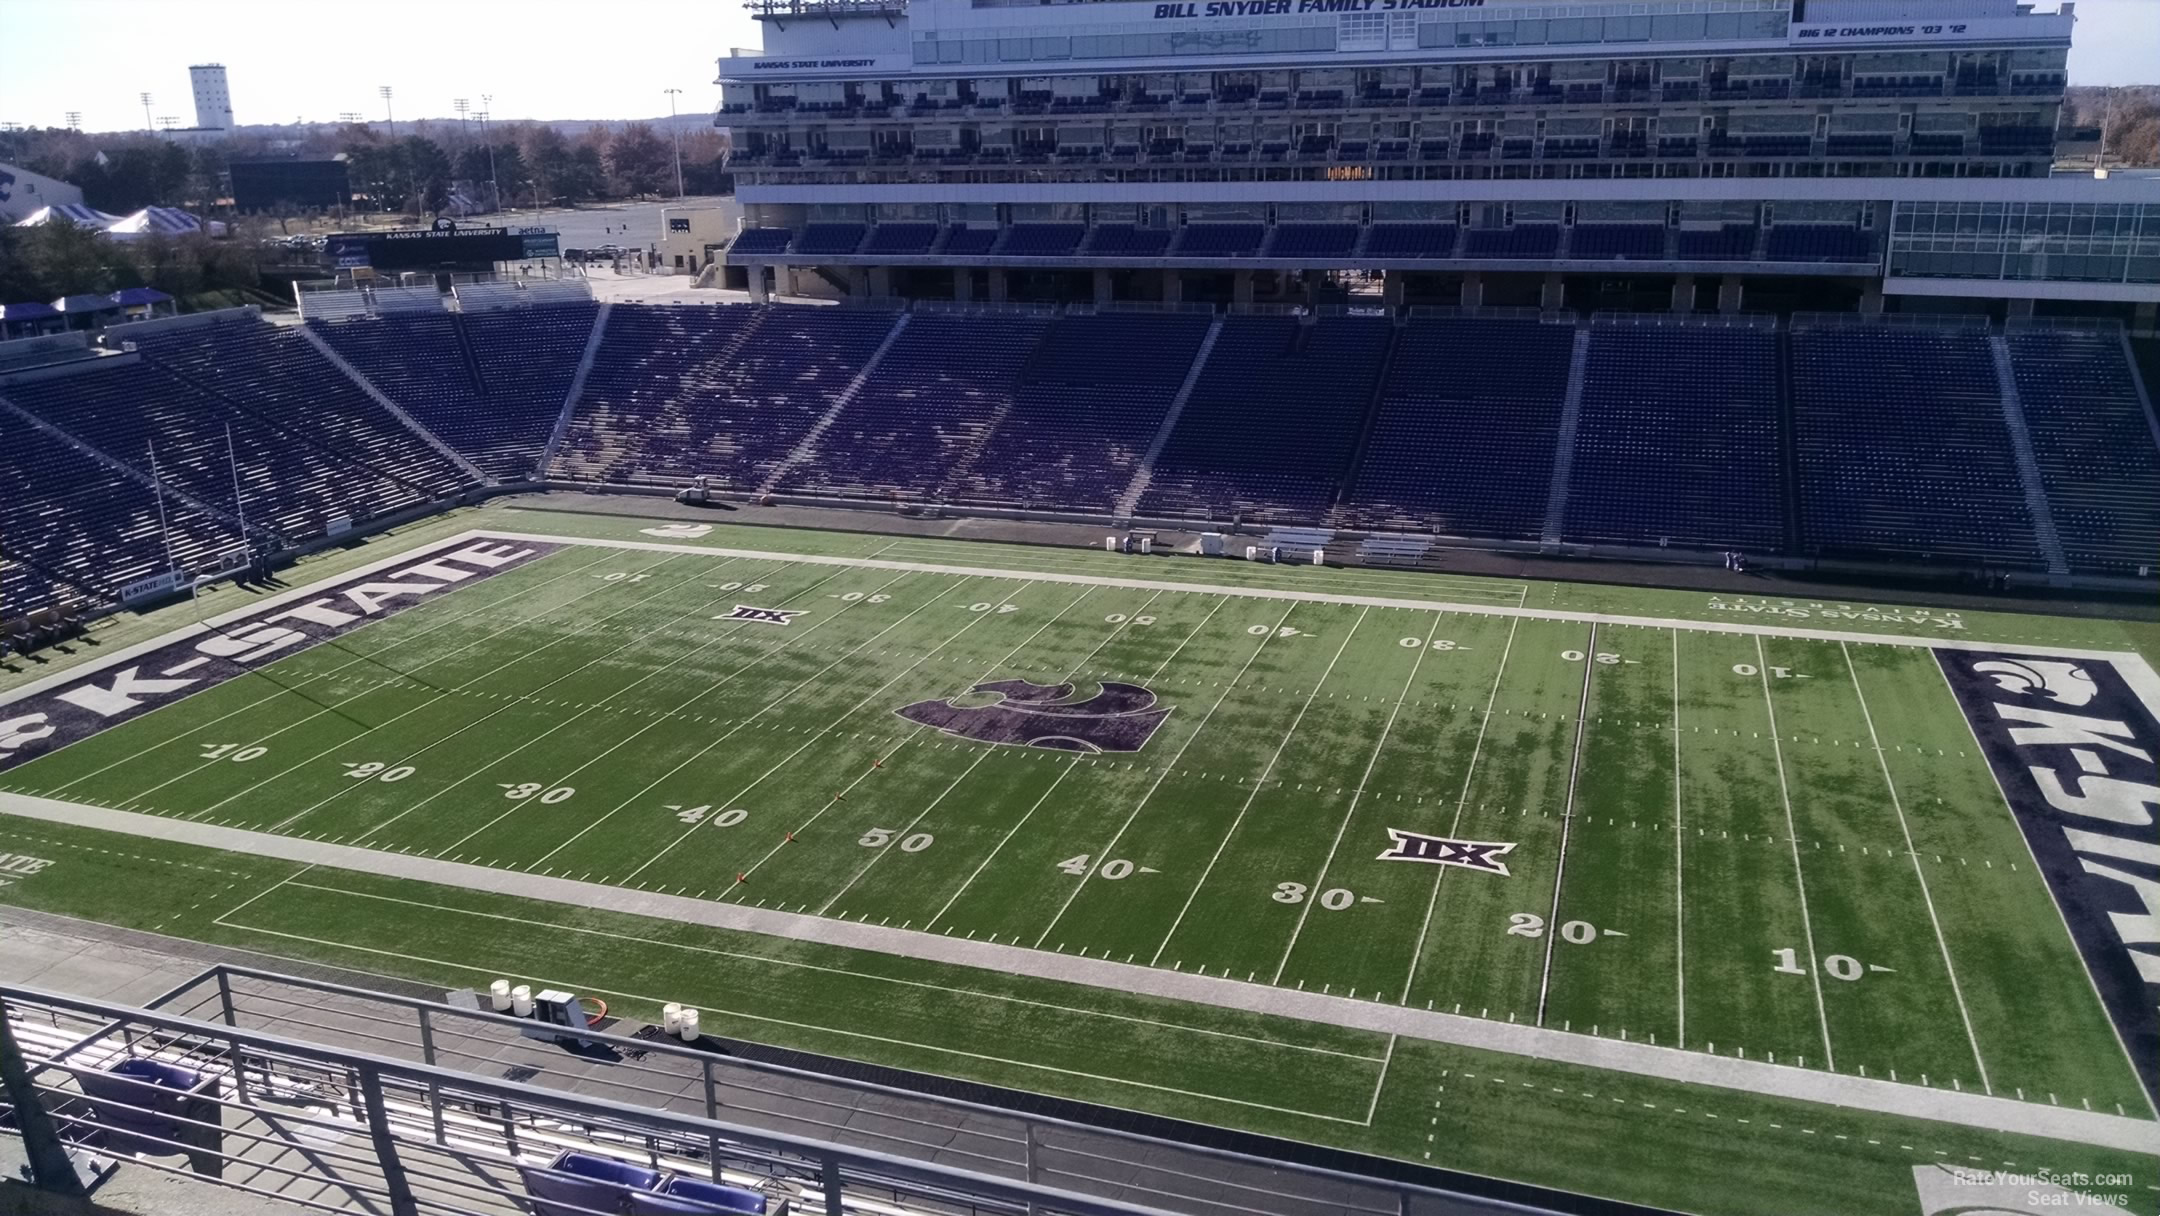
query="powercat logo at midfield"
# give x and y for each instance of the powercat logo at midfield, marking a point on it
(1119, 718)
(2074, 750)
(74, 710)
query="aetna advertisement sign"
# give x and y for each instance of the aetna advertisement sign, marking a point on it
(2073, 748)
(114, 692)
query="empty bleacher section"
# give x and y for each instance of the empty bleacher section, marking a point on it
(1269, 429)
(418, 361)
(1038, 240)
(291, 483)
(1463, 443)
(1725, 243)
(725, 392)
(941, 388)
(766, 241)
(1678, 439)
(1087, 405)
(527, 359)
(71, 525)
(901, 239)
(1603, 242)
(1538, 241)
(2094, 444)
(276, 375)
(1902, 448)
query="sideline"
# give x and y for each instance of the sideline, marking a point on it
(1668, 1063)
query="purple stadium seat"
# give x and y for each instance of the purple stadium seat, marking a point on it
(2094, 444)
(575, 1183)
(680, 1196)
(153, 1109)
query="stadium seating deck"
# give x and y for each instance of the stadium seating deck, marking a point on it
(1410, 240)
(1463, 443)
(1677, 440)
(1902, 447)
(527, 360)
(2093, 441)
(68, 522)
(722, 392)
(940, 390)
(1269, 429)
(1087, 405)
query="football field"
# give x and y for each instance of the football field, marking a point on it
(1774, 845)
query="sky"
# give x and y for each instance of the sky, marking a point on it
(309, 60)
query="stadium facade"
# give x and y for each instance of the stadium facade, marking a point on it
(1697, 155)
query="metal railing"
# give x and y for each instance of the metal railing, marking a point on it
(348, 1130)
(716, 1109)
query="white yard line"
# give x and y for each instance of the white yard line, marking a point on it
(639, 733)
(2136, 671)
(985, 754)
(1905, 828)
(1792, 832)
(822, 969)
(355, 661)
(1319, 881)
(1168, 768)
(1679, 856)
(1567, 821)
(821, 733)
(888, 1041)
(754, 662)
(1462, 800)
(1968, 1109)
(1259, 784)
(1980, 751)
(296, 766)
(521, 699)
(1071, 763)
(1373, 1107)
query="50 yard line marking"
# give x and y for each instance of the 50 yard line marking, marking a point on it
(1896, 804)
(982, 755)
(1305, 910)
(978, 618)
(1072, 762)
(1462, 800)
(1567, 821)
(1807, 927)
(1259, 783)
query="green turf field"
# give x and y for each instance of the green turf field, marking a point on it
(1767, 847)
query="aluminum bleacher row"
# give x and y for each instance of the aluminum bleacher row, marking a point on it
(1321, 242)
(1846, 441)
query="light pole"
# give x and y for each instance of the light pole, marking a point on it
(675, 129)
(496, 186)
(460, 105)
(388, 112)
(349, 117)
(147, 124)
(74, 118)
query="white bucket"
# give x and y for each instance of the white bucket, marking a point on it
(671, 1018)
(688, 1028)
(521, 1000)
(499, 996)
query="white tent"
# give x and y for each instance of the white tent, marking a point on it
(164, 221)
(68, 213)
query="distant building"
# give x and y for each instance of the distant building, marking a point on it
(213, 100)
(290, 184)
(23, 193)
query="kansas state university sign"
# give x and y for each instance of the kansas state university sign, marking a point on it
(1120, 718)
(2073, 748)
(79, 707)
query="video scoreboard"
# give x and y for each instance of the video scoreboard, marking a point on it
(441, 248)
